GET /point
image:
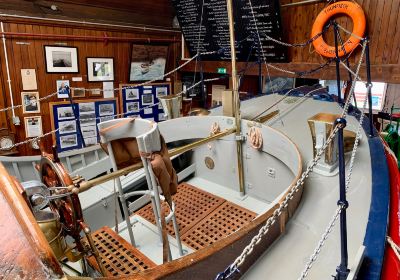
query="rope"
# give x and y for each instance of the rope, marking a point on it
(349, 32)
(98, 118)
(29, 140)
(296, 45)
(117, 89)
(22, 105)
(255, 138)
(215, 129)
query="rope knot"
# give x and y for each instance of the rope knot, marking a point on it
(255, 138)
(215, 129)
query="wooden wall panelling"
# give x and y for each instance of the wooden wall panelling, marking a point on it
(394, 12)
(383, 18)
(130, 12)
(3, 90)
(32, 56)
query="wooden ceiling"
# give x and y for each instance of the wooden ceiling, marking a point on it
(150, 12)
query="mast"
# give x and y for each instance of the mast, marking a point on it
(236, 99)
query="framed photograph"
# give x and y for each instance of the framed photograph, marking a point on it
(63, 88)
(68, 141)
(64, 113)
(132, 107)
(147, 99)
(67, 127)
(61, 59)
(30, 102)
(33, 126)
(89, 131)
(87, 107)
(106, 109)
(132, 93)
(78, 92)
(147, 62)
(95, 92)
(100, 69)
(161, 91)
(106, 118)
(87, 119)
(91, 141)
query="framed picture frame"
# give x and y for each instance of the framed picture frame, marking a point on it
(61, 59)
(100, 69)
(148, 62)
(95, 92)
(147, 99)
(30, 101)
(33, 126)
(78, 92)
(63, 89)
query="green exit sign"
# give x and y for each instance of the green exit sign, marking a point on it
(221, 70)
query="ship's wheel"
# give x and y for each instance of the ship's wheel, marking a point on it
(68, 206)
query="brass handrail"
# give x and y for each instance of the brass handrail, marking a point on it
(86, 185)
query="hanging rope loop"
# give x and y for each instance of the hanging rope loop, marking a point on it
(215, 129)
(255, 138)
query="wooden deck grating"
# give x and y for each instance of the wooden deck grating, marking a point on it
(203, 218)
(192, 205)
(118, 256)
(223, 221)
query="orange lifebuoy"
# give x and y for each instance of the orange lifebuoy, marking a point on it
(357, 15)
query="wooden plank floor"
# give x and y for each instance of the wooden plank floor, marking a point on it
(203, 218)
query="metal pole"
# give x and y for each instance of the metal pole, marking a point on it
(335, 28)
(260, 79)
(86, 185)
(202, 92)
(369, 87)
(342, 271)
(236, 97)
(78, 125)
(8, 72)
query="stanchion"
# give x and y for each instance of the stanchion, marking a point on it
(342, 270)
(77, 120)
(202, 92)
(369, 87)
(260, 79)
(337, 59)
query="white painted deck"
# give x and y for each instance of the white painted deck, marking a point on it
(287, 258)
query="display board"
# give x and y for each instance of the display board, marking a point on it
(138, 101)
(89, 113)
(214, 32)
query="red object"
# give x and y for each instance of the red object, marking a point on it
(391, 265)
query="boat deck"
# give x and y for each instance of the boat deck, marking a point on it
(203, 218)
(202, 221)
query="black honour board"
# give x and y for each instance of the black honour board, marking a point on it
(213, 32)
